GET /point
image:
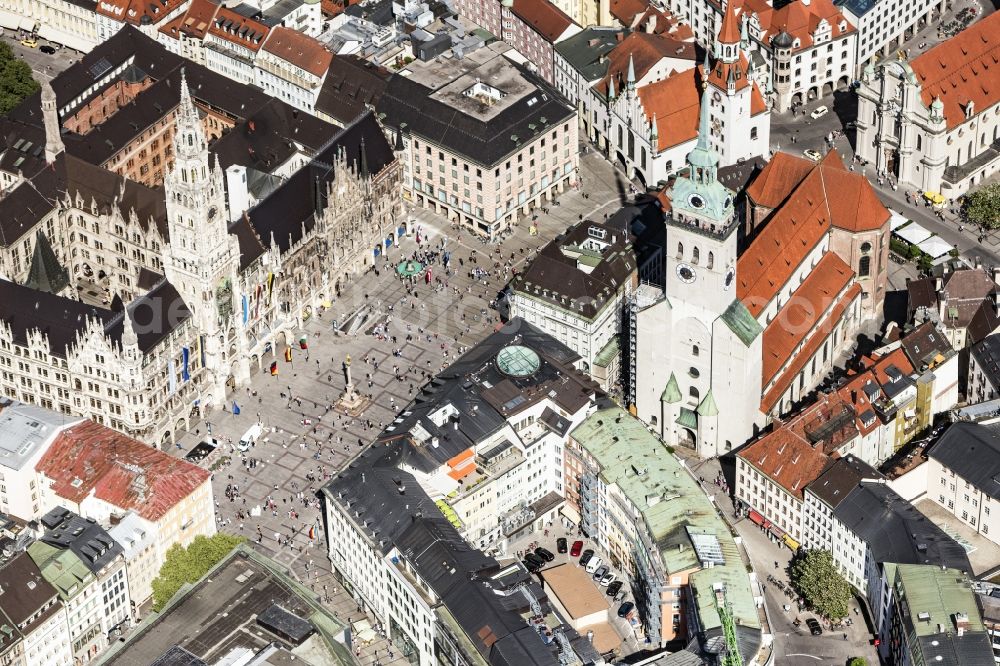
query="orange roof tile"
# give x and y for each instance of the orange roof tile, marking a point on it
(299, 49)
(674, 102)
(797, 18)
(133, 11)
(238, 29)
(797, 318)
(546, 19)
(719, 76)
(786, 456)
(91, 458)
(645, 50)
(198, 17)
(729, 33)
(963, 69)
(808, 350)
(777, 180)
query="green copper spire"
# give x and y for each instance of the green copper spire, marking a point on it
(672, 392)
(707, 406)
(703, 157)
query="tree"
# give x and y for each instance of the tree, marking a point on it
(982, 207)
(818, 581)
(187, 565)
(857, 661)
(16, 82)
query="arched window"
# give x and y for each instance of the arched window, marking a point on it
(865, 266)
(919, 141)
(680, 250)
(711, 259)
(694, 350)
(695, 255)
(693, 392)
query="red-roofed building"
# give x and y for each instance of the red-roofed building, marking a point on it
(804, 48)
(232, 43)
(105, 475)
(146, 15)
(652, 97)
(185, 34)
(932, 122)
(292, 67)
(532, 27)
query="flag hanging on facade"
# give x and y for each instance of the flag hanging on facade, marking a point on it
(236, 409)
(171, 377)
(274, 368)
(312, 533)
(288, 354)
(186, 355)
(304, 341)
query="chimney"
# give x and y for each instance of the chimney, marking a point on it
(620, 36)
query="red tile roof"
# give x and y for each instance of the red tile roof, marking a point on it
(963, 69)
(808, 350)
(788, 456)
(729, 33)
(805, 207)
(194, 22)
(719, 76)
(645, 50)
(797, 18)
(544, 17)
(233, 27)
(91, 458)
(301, 50)
(133, 11)
(797, 318)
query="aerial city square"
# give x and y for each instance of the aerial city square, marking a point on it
(499, 332)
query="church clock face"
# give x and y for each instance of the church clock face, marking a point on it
(685, 273)
(730, 276)
(696, 202)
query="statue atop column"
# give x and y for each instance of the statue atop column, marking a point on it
(351, 402)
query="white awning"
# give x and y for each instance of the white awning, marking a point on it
(913, 233)
(571, 513)
(935, 247)
(74, 42)
(897, 219)
(9, 19)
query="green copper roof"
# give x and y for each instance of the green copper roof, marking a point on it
(608, 352)
(741, 322)
(671, 393)
(687, 418)
(707, 407)
(938, 592)
(61, 568)
(673, 508)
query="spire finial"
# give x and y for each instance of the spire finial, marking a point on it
(631, 73)
(611, 87)
(129, 338)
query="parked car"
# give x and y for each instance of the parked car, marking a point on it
(607, 579)
(561, 545)
(29, 42)
(812, 154)
(576, 549)
(625, 609)
(819, 112)
(594, 564)
(814, 627)
(614, 587)
(533, 562)
(586, 557)
(545, 554)
(601, 572)
(46, 49)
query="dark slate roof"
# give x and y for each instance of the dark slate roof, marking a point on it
(924, 344)
(250, 244)
(737, 176)
(46, 273)
(25, 309)
(291, 209)
(586, 51)
(895, 530)
(485, 142)
(23, 592)
(971, 649)
(553, 275)
(351, 85)
(178, 656)
(396, 512)
(987, 355)
(84, 536)
(155, 315)
(840, 478)
(972, 451)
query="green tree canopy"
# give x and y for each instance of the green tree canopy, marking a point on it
(16, 82)
(187, 565)
(857, 661)
(983, 206)
(818, 581)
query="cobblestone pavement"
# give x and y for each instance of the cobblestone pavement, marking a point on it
(305, 441)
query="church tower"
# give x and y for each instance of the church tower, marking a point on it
(50, 118)
(735, 134)
(701, 229)
(202, 258)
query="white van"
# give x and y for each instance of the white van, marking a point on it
(249, 438)
(593, 564)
